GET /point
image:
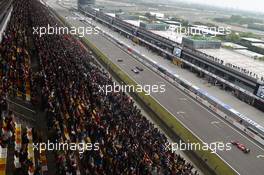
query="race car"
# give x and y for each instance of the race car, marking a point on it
(135, 71)
(139, 68)
(240, 146)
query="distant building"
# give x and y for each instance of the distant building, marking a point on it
(85, 3)
(250, 54)
(111, 14)
(157, 15)
(176, 23)
(257, 26)
(127, 17)
(201, 42)
(133, 22)
(252, 40)
(154, 26)
(259, 45)
(233, 46)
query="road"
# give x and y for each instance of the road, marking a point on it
(198, 119)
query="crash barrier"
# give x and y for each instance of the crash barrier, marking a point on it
(213, 161)
(241, 122)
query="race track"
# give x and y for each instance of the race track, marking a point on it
(199, 120)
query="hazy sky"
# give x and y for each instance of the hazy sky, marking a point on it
(252, 5)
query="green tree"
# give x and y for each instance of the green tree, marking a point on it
(233, 37)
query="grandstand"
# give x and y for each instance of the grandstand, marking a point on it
(76, 111)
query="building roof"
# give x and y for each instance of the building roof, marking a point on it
(233, 45)
(173, 22)
(157, 14)
(253, 40)
(260, 45)
(237, 59)
(134, 22)
(111, 14)
(202, 38)
(174, 36)
(249, 53)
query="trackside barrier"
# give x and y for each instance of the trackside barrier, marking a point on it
(214, 161)
(171, 78)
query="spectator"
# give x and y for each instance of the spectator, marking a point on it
(76, 110)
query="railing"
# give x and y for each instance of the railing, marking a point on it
(21, 111)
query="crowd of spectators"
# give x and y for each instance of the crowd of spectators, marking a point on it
(77, 112)
(15, 69)
(15, 80)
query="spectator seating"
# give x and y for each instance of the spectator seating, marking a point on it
(76, 111)
(3, 158)
(15, 59)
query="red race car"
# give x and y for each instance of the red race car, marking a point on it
(240, 146)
